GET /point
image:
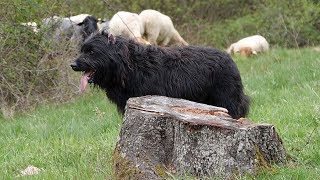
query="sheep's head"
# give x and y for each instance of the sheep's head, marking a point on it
(230, 50)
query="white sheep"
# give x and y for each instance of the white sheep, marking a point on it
(75, 28)
(128, 25)
(159, 29)
(249, 45)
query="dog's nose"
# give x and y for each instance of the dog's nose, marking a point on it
(73, 65)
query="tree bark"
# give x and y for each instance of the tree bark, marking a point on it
(162, 136)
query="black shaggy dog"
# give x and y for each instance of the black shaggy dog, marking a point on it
(124, 69)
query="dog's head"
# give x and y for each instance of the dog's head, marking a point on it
(96, 59)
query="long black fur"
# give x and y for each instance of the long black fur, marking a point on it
(124, 69)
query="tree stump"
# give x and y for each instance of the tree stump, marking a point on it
(162, 135)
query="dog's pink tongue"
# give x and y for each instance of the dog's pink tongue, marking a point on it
(84, 81)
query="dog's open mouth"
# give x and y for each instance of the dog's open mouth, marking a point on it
(85, 79)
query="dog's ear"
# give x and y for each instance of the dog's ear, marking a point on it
(111, 39)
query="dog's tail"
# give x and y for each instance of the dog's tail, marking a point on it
(239, 107)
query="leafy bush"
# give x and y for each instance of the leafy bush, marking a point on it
(291, 24)
(283, 24)
(33, 70)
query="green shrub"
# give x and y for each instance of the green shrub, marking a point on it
(33, 70)
(281, 22)
(291, 24)
(224, 33)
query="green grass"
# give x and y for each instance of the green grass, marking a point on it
(76, 140)
(69, 141)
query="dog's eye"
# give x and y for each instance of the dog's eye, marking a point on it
(87, 51)
(90, 52)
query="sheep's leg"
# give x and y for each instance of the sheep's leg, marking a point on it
(152, 33)
(143, 41)
(152, 38)
(165, 42)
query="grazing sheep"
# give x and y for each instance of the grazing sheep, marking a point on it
(128, 25)
(71, 28)
(249, 45)
(159, 29)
